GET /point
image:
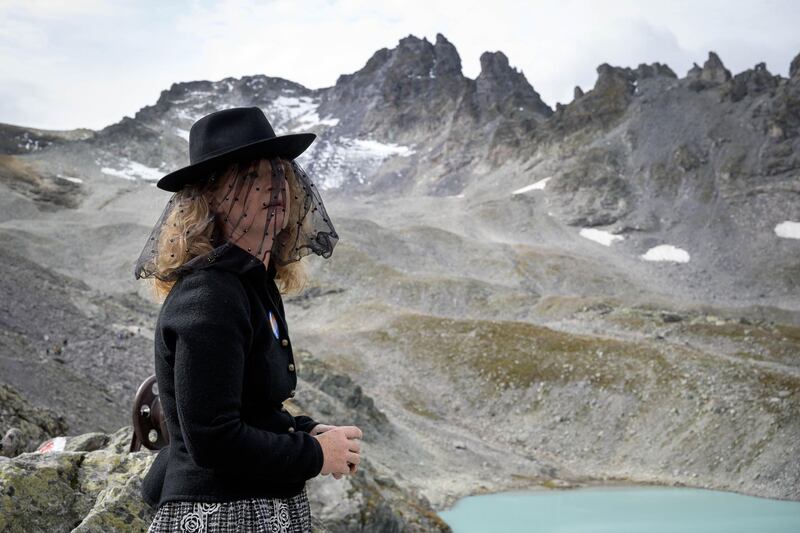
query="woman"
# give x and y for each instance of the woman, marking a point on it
(243, 215)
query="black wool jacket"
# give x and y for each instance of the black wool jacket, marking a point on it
(224, 365)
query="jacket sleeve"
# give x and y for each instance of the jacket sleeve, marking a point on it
(305, 423)
(210, 319)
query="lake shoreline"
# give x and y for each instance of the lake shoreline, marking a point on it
(597, 483)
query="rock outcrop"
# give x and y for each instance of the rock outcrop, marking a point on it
(93, 485)
(75, 489)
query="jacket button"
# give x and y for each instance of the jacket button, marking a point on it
(291, 429)
(291, 393)
(291, 367)
(284, 342)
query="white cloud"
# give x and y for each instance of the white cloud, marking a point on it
(57, 9)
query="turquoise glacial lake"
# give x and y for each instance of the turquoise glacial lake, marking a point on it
(622, 510)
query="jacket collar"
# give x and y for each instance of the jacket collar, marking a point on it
(233, 258)
(230, 257)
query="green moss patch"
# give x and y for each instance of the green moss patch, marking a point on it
(519, 354)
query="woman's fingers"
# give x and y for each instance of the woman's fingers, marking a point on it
(355, 445)
(352, 432)
(353, 458)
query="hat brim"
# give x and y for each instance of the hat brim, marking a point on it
(288, 146)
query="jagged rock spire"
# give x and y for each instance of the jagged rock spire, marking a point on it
(714, 71)
(794, 68)
(712, 74)
(448, 62)
(499, 84)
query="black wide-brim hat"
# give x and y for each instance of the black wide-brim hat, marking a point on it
(223, 136)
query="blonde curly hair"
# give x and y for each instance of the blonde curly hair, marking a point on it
(188, 230)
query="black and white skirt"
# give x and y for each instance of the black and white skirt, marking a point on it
(257, 515)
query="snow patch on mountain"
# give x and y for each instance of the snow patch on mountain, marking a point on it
(348, 158)
(539, 185)
(601, 236)
(133, 170)
(788, 229)
(376, 149)
(666, 252)
(182, 133)
(300, 109)
(29, 144)
(69, 178)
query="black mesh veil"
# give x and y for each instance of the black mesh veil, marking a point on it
(269, 207)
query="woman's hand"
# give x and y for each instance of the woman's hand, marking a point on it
(321, 428)
(341, 447)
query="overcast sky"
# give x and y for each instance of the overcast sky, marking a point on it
(87, 63)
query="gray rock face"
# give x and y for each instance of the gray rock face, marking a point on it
(62, 333)
(338, 400)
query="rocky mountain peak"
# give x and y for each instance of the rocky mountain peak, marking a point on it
(712, 74)
(794, 68)
(619, 83)
(752, 81)
(501, 85)
(611, 79)
(419, 58)
(611, 95)
(714, 70)
(495, 65)
(652, 70)
(413, 58)
(448, 62)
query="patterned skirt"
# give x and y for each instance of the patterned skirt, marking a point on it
(261, 515)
